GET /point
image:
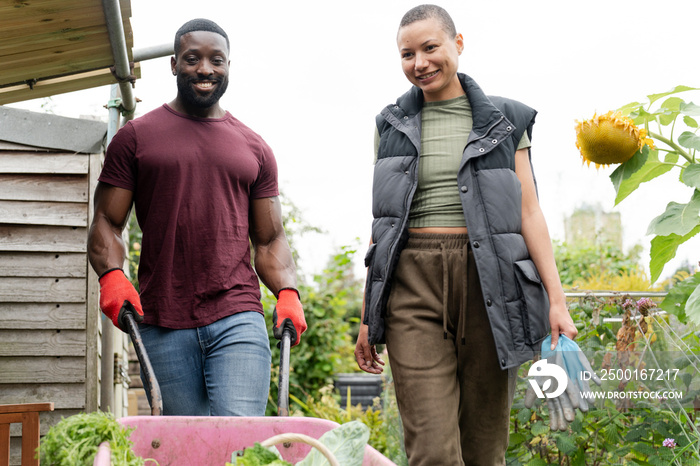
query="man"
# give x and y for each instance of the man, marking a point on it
(203, 184)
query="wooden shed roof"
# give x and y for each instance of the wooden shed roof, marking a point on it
(50, 47)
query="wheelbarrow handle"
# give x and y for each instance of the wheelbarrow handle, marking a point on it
(283, 386)
(150, 379)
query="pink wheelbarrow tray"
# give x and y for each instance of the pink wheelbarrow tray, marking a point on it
(205, 441)
(210, 440)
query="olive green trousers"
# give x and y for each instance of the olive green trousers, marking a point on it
(453, 397)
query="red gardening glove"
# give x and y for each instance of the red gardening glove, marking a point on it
(290, 315)
(115, 291)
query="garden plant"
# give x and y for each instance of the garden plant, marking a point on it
(648, 140)
(628, 339)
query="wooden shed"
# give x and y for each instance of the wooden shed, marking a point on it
(50, 322)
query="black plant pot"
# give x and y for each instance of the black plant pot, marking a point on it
(362, 388)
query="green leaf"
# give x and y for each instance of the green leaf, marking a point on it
(669, 110)
(663, 249)
(690, 109)
(644, 449)
(630, 107)
(576, 426)
(692, 306)
(679, 219)
(642, 462)
(634, 434)
(539, 428)
(687, 379)
(625, 171)
(611, 433)
(690, 122)
(677, 297)
(516, 438)
(580, 458)
(537, 462)
(642, 167)
(671, 157)
(672, 104)
(690, 175)
(566, 444)
(642, 117)
(524, 415)
(689, 140)
(654, 97)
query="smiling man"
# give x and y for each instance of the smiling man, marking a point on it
(203, 184)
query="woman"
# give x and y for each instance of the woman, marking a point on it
(462, 285)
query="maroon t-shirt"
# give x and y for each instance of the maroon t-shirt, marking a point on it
(192, 180)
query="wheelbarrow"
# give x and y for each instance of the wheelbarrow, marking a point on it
(210, 440)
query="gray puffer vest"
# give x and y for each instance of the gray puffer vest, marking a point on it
(515, 299)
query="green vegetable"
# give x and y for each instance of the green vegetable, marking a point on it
(346, 442)
(75, 439)
(257, 455)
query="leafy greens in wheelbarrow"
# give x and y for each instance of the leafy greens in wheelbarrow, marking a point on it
(75, 440)
(346, 442)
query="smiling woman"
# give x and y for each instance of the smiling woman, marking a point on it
(461, 284)
(430, 57)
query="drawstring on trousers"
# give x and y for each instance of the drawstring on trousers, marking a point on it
(445, 288)
(464, 296)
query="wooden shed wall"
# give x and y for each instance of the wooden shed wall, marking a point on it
(49, 315)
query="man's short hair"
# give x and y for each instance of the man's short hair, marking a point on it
(422, 12)
(198, 24)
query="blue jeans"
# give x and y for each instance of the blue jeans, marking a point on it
(221, 369)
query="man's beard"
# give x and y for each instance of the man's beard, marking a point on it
(191, 98)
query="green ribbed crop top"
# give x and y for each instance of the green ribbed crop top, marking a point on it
(445, 128)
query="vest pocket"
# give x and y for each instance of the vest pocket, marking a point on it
(370, 254)
(369, 259)
(535, 302)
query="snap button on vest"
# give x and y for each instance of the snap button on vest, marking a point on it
(495, 141)
(464, 189)
(476, 244)
(489, 302)
(481, 149)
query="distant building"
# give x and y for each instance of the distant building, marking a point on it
(593, 225)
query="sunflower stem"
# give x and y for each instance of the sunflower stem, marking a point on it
(669, 142)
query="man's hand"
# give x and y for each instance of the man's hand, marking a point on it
(115, 289)
(366, 354)
(288, 314)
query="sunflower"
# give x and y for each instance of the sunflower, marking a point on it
(609, 138)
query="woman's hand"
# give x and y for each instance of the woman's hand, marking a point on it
(561, 323)
(366, 354)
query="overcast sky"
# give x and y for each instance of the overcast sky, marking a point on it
(309, 76)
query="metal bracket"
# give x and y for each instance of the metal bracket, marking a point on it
(118, 104)
(114, 103)
(121, 375)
